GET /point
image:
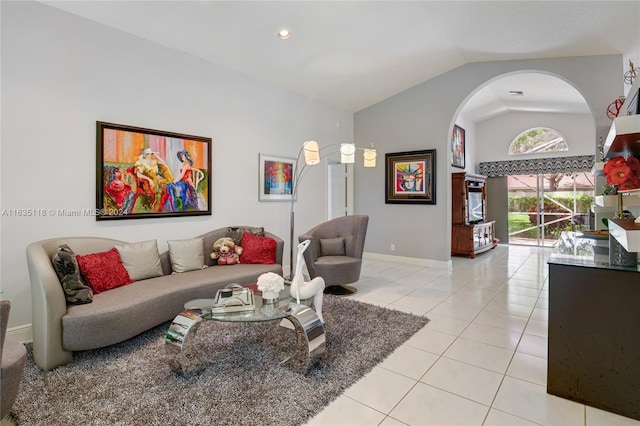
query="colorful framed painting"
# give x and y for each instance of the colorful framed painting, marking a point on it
(411, 177)
(276, 178)
(457, 147)
(144, 173)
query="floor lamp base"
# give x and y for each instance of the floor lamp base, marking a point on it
(340, 290)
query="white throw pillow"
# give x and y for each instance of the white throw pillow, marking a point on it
(141, 260)
(186, 255)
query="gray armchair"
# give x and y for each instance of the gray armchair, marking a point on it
(13, 356)
(335, 252)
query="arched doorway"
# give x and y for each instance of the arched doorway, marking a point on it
(533, 206)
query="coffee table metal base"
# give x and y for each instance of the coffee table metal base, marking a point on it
(183, 358)
(310, 338)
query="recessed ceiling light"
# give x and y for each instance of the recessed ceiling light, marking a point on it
(516, 92)
(284, 34)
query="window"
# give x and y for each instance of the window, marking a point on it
(539, 139)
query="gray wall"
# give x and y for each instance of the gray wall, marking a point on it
(422, 118)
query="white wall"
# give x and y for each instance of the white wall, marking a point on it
(422, 118)
(496, 134)
(62, 73)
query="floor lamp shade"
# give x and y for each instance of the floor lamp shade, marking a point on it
(347, 153)
(311, 153)
(370, 155)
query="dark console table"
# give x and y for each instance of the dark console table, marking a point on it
(594, 327)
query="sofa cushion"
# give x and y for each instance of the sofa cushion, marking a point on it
(76, 291)
(258, 250)
(332, 246)
(186, 255)
(141, 260)
(103, 271)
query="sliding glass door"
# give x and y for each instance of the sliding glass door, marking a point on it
(542, 206)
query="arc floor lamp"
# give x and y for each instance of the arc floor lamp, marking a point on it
(311, 153)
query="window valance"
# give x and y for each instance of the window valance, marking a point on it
(578, 163)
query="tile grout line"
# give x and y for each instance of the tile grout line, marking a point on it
(516, 350)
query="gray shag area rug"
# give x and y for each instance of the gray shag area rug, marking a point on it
(131, 383)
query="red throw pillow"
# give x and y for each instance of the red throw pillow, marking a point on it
(258, 249)
(103, 271)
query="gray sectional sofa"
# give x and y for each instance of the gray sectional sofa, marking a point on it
(124, 312)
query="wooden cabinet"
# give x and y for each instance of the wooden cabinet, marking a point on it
(594, 335)
(470, 240)
(471, 234)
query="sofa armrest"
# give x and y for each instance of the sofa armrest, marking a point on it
(48, 306)
(279, 246)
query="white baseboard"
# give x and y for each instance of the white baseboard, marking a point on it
(22, 333)
(445, 264)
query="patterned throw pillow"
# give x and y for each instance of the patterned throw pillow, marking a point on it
(103, 271)
(258, 249)
(236, 233)
(66, 266)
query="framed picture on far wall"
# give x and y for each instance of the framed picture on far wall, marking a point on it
(410, 177)
(276, 178)
(144, 173)
(457, 147)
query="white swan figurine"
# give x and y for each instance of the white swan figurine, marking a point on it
(304, 290)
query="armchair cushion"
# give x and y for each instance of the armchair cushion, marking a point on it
(332, 246)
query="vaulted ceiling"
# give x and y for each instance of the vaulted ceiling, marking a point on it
(354, 54)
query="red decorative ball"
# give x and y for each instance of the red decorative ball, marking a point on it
(614, 108)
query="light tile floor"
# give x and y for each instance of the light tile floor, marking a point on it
(481, 360)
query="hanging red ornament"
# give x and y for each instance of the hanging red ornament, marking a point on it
(614, 108)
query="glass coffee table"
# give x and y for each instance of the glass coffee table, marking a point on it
(310, 337)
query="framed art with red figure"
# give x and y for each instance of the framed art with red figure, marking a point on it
(145, 173)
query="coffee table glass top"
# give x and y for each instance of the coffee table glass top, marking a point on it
(283, 307)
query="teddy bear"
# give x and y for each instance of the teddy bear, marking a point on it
(226, 252)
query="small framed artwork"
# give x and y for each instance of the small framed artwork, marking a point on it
(457, 147)
(411, 177)
(145, 173)
(276, 178)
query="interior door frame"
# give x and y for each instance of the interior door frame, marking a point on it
(348, 183)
